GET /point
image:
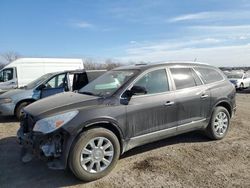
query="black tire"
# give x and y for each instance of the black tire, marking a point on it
(211, 129)
(18, 112)
(241, 87)
(81, 142)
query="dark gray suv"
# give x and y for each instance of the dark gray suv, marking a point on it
(122, 109)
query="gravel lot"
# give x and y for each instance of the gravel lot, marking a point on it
(189, 160)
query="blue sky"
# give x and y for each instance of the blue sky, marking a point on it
(212, 31)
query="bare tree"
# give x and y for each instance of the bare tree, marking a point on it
(10, 56)
(91, 64)
(111, 64)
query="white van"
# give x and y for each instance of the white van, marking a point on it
(24, 70)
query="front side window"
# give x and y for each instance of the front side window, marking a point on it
(209, 75)
(38, 81)
(108, 83)
(6, 75)
(185, 78)
(57, 81)
(154, 82)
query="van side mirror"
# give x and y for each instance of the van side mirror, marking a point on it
(41, 87)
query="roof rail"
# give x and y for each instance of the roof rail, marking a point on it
(138, 64)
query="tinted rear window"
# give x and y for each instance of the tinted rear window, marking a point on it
(209, 75)
(185, 78)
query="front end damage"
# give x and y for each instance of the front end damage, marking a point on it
(48, 147)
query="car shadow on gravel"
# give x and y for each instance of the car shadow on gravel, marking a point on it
(191, 137)
(8, 119)
(14, 173)
(244, 91)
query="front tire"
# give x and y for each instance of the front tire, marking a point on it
(219, 123)
(94, 154)
(19, 109)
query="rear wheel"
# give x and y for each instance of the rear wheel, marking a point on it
(94, 154)
(19, 109)
(219, 124)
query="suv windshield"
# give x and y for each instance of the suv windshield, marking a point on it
(36, 82)
(237, 76)
(108, 83)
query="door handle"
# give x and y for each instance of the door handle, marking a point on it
(203, 96)
(169, 103)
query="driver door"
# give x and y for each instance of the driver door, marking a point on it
(8, 79)
(56, 84)
(154, 111)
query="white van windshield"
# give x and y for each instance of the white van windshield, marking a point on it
(38, 81)
(6, 75)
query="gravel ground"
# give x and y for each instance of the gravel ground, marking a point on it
(189, 160)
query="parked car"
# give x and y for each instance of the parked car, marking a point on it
(122, 109)
(241, 80)
(12, 102)
(24, 70)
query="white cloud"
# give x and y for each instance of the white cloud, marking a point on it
(132, 42)
(212, 15)
(195, 16)
(169, 45)
(238, 55)
(82, 24)
(223, 28)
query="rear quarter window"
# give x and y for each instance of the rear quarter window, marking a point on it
(185, 78)
(209, 75)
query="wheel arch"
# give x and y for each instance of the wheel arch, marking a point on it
(107, 124)
(226, 105)
(21, 101)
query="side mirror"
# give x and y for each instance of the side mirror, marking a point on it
(137, 90)
(41, 87)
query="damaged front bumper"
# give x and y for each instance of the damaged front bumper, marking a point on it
(48, 147)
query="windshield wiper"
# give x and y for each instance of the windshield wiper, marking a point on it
(90, 93)
(87, 93)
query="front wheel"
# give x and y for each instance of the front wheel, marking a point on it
(19, 109)
(94, 154)
(219, 123)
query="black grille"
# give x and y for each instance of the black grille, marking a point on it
(27, 123)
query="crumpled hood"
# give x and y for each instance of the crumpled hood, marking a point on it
(60, 102)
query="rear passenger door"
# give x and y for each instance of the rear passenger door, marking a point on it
(214, 81)
(192, 98)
